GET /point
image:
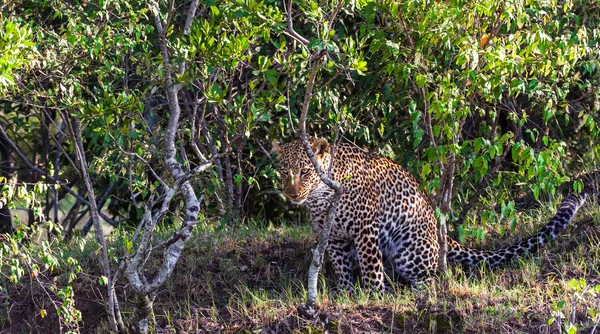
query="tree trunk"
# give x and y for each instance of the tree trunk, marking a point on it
(144, 310)
(319, 251)
(444, 199)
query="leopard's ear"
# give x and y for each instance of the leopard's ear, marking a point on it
(320, 147)
(275, 149)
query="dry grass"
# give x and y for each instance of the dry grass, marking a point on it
(252, 280)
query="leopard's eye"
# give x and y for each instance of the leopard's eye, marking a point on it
(304, 171)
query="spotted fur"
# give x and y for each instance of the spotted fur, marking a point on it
(383, 221)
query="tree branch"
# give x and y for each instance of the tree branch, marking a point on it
(50, 177)
(291, 32)
(319, 251)
(75, 131)
(186, 28)
(172, 252)
(133, 154)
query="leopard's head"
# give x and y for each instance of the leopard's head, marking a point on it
(298, 176)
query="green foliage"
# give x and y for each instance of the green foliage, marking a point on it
(581, 294)
(15, 46)
(506, 88)
(30, 257)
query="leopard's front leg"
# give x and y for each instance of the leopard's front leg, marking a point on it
(369, 257)
(342, 256)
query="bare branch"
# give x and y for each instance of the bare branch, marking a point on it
(303, 115)
(75, 131)
(57, 170)
(133, 154)
(319, 251)
(196, 133)
(165, 204)
(133, 269)
(183, 154)
(177, 235)
(291, 32)
(5, 4)
(170, 13)
(50, 177)
(173, 249)
(145, 248)
(190, 16)
(175, 110)
(61, 134)
(289, 109)
(204, 166)
(186, 28)
(101, 200)
(334, 13)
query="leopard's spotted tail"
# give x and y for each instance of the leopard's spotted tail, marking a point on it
(471, 257)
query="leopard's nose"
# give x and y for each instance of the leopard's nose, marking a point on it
(295, 196)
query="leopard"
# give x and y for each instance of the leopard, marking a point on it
(385, 224)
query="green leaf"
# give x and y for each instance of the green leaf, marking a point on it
(425, 170)
(421, 80)
(264, 117)
(578, 186)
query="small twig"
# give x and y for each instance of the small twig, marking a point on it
(137, 156)
(334, 13)
(183, 154)
(337, 74)
(186, 28)
(410, 40)
(170, 13)
(291, 32)
(202, 167)
(289, 107)
(165, 204)
(333, 148)
(177, 235)
(195, 133)
(61, 134)
(57, 170)
(142, 221)
(595, 325)
(573, 307)
(133, 195)
(5, 4)
(31, 166)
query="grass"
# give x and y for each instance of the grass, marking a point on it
(251, 279)
(255, 279)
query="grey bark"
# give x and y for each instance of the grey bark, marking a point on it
(173, 247)
(101, 201)
(445, 198)
(319, 251)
